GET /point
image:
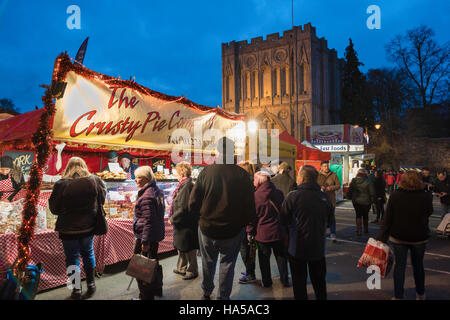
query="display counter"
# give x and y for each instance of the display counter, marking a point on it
(46, 247)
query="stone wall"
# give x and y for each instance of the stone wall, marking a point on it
(425, 152)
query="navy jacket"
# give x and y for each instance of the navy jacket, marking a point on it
(307, 211)
(148, 220)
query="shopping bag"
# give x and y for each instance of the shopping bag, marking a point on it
(379, 254)
(142, 268)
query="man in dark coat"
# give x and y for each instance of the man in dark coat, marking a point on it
(283, 180)
(306, 212)
(223, 194)
(442, 190)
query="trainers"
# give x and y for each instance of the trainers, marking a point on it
(206, 297)
(333, 237)
(247, 279)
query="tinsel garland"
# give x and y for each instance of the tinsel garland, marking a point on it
(42, 145)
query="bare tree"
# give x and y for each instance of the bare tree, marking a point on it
(424, 61)
(7, 105)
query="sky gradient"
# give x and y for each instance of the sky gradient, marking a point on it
(175, 47)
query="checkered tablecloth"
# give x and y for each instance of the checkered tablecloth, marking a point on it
(46, 247)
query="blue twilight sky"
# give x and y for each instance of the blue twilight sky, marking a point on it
(175, 46)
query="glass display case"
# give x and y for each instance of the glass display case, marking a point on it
(121, 197)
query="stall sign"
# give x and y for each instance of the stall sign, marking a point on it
(333, 148)
(158, 162)
(353, 148)
(97, 111)
(22, 159)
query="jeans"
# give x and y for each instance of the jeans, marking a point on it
(401, 256)
(380, 209)
(249, 261)
(317, 274)
(83, 246)
(333, 225)
(228, 250)
(264, 252)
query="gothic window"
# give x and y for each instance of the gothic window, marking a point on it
(227, 89)
(283, 81)
(301, 78)
(267, 82)
(247, 85)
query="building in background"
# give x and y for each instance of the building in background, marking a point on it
(287, 82)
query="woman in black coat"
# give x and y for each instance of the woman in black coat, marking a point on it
(406, 226)
(75, 199)
(185, 224)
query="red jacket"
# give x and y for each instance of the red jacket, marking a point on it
(390, 180)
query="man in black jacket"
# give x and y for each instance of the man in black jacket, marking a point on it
(307, 212)
(442, 190)
(223, 194)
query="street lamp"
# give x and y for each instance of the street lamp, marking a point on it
(377, 126)
(252, 126)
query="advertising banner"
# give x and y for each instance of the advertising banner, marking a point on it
(95, 110)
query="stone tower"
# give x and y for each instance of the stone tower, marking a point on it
(287, 82)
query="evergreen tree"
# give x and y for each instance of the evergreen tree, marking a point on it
(356, 104)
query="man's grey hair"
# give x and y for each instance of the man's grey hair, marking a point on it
(308, 173)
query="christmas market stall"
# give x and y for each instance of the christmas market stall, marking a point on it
(98, 118)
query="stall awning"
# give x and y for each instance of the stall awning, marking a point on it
(20, 128)
(304, 152)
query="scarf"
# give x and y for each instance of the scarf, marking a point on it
(174, 194)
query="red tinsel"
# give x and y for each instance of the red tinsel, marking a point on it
(42, 145)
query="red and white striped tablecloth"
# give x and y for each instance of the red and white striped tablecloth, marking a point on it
(46, 247)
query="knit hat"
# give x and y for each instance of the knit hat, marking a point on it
(112, 154)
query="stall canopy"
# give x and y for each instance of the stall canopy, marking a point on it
(19, 129)
(304, 152)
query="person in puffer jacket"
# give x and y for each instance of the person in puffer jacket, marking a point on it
(148, 226)
(75, 200)
(362, 194)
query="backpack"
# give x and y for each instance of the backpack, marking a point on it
(12, 290)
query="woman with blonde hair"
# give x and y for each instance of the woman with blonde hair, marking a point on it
(185, 224)
(405, 225)
(75, 200)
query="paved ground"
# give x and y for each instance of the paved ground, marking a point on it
(344, 279)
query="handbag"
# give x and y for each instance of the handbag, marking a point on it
(142, 268)
(101, 226)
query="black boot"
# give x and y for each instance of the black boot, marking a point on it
(90, 280)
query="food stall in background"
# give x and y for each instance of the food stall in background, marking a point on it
(344, 142)
(94, 115)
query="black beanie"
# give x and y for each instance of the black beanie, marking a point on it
(6, 162)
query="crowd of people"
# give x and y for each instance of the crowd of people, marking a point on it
(244, 209)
